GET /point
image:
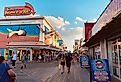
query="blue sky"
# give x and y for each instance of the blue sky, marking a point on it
(72, 13)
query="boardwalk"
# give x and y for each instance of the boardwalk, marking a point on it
(77, 74)
(48, 72)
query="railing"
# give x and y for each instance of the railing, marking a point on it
(112, 10)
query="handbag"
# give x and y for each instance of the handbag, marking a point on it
(11, 74)
(59, 66)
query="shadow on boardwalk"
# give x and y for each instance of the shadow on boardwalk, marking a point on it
(77, 74)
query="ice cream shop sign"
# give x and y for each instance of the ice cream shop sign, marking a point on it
(19, 10)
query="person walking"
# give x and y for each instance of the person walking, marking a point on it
(24, 60)
(6, 73)
(62, 62)
(14, 58)
(68, 59)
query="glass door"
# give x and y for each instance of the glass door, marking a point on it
(115, 59)
(119, 47)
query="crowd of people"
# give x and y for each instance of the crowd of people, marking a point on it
(43, 56)
(63, 57)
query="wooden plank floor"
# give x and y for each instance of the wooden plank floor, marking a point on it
(77, 74)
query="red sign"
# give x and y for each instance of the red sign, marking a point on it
(19, 10)
(88, 30)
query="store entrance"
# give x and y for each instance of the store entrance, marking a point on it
(116, 57)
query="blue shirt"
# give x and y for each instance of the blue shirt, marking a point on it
(4, 67)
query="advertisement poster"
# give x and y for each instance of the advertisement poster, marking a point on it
(100, 70)
(84, 61)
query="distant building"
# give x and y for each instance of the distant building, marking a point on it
(77, 45)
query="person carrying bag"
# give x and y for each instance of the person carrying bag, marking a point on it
(6, 73)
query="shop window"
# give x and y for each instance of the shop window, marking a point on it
(115, 64)
(115, 59)
(10, 52)
(96, 53)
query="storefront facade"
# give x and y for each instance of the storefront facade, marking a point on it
(26, 35)
(105, 41)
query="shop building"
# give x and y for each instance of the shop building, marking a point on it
(28, 34)
(105, 40)
(22, 31)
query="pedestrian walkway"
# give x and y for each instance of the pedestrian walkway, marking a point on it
(49, 72)
(77, 74)
(36, 72)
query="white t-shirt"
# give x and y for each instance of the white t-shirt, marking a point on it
(14, 57)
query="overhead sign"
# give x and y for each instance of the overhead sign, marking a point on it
(100, 70)
(84, 61)
(19, 10)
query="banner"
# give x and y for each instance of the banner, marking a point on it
(19, 10)
(100, 70)
(84, 61)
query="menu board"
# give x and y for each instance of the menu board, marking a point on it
(100, 70)
(84, 61)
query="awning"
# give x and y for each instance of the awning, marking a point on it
(109, 30)
(34, 45)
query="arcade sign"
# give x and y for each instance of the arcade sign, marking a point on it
(19, 10)
(100, 70)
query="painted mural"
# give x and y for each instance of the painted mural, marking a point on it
(19, 33)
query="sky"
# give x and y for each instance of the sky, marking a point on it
(67, 16)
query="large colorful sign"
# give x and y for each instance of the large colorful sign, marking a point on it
(84, 61)
(25, 32)
(100, 70)
(19, 10)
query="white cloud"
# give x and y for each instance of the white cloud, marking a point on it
(67, 22)
(68, 34)
(60, 18)
(80, 19)
(58, 22)
(93, 20)
(63, 29)
(75, 22)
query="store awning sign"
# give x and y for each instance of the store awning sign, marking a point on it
(100, 70)
(84, 61)
(19, 10)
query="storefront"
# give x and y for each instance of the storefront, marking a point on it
(23, 32)
(106, 39)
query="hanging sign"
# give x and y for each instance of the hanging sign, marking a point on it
(100, 70)
(19, 10)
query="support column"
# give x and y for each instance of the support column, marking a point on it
(41, 38)
(110, 57)
(30, 54)
(103, 48)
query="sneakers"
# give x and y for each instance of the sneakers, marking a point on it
(62, 72)
(21, 67)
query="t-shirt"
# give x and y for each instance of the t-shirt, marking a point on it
(4, 67)
(14, 57)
